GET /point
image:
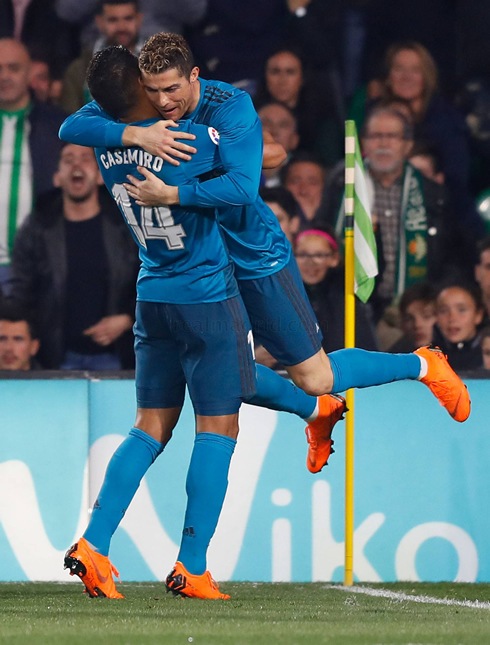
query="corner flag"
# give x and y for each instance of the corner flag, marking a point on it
(366, 257)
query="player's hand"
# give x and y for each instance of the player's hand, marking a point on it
(107, 330)
(151, 191)
(296, 4)
(158, 140)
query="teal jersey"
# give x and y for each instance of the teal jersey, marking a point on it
(183, 257)
(256, 243)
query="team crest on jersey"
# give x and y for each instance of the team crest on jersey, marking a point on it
(214, 135)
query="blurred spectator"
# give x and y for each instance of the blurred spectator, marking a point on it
(485, 347)
(318, 257)
(36, 24)
(74, 263)
(482, 273)
(118, 23)
(235, 38)
(19, 342)
(285, 208)
(280, 122)
(43, 85)
(29, 145)
(418, 317)
(411, 74)
(415, 229)
(158, 15)
(425, 158)
(286, 81)
(304, 177)
(459, 312)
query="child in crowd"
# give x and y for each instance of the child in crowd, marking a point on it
(418, 317)
(318, 257)
(459, 311)
(485, 347)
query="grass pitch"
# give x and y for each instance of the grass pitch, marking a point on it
(262, 614)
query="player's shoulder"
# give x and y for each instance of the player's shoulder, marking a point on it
(219, 92)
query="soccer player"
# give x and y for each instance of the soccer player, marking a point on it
(184, 264)
(267, 272)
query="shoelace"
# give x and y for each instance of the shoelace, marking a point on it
(115, 571)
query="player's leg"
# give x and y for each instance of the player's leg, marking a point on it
(160, 386)
(220, 372)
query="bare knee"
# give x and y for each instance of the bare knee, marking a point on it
(226, 425)
(157, 423)
(314, 376)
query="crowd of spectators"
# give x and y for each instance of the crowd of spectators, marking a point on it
(414, 77)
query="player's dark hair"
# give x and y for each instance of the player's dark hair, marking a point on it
(112, 78)
(283, 197)
(166, 51)
(102, 3)
(13, 312)
(473, 290)
(418, 292)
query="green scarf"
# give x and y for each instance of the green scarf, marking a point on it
(412, 249)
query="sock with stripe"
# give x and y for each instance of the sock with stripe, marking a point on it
(277, 393)
(207, 481)
(360, 368)
(126, 469)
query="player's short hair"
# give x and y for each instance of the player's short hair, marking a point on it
(283, 197)
(102, 3)
(166, 51)
(418, 292)
(112, 78)
(408, 129)
(12, 312)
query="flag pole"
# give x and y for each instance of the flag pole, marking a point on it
(350, 329)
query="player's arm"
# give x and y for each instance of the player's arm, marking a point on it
(91, 126)
(274, 153)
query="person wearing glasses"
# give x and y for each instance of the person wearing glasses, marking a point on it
(319, 262)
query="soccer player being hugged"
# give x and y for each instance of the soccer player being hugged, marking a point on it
(267, 275)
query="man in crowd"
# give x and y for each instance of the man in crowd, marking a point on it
(280, 122)
(75, 265)
(414, 224)
(29, 145)
(304, 177)
(482, 273)
(19, 343)
(118, 23)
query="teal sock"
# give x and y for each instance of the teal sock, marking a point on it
(124, 473)
(207, 481)
(360, 368)
(277, 393)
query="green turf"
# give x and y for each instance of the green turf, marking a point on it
(262, 614)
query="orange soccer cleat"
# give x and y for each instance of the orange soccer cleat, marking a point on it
(319, 431)
(181, 583)
(445, 384)
(93, 569)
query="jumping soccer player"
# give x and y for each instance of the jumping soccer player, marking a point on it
(264, 266)
(184, 264)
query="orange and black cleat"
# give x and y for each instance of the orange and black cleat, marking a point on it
(319, 431)
(445, 384)
(93, 569)
(181, 583)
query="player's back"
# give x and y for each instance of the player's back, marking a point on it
(181, 250)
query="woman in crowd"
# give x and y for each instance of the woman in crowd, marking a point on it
(459, 311)
(286, 81)
(411, 75)
(318, 257)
